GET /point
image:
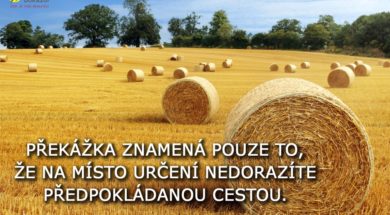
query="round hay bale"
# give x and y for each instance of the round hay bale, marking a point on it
(334, 65)
(274, 67)
(119, 59)
(352, 66)
(38, 51)
(3, 58)
(180, 73)
(191, 100)
(210, 67)
(249, 47)
(290, 68)
(100, 63)
(143, 48)
(173, 57)
(228, 63)
(363, 70)
(50, 47)
(125, 46)
(327, 132)
(358, 62)
(386, 64)
(65, 47)
(107, 67)
(305, 65)
(161, 46)
(41, 47)
(341, 77)
(199, 68)
(135, 75)
(32, 67)
(157, 70)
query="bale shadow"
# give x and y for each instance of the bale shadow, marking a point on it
(149, 118)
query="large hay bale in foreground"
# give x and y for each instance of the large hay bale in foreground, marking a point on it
(32, 67)
(228, 63)
(100, 63)
(334, 65)
(191, 100)
(290, 68)
(305, 65)
(352, 66)
(386, 64)
(38, 51)
(180, 73)
(157, 70)
(210, 67)
(135, 75)
(107, 67)
(329, 134)
(3, 58)
(274, 67)
(341, 77)
(363, 70)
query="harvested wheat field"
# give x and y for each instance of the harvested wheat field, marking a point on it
(72, 98)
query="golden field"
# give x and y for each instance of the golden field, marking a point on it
(69, 97)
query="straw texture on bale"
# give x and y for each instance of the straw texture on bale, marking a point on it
(119, 59)
(100, 63)
(386, 64)
(228, 63)
(334, 65)
(274, 68)
(341, 77)
(135, 75)
(191, 100)
(180, 72)
(358, 62)
(290, 68)
(352, 66)
(3, 58)
(157, 70)
(327, 132)
(32, 67)
(363, 70)
(305, 65)
(210, 67)
(107, 67)
(38, 51)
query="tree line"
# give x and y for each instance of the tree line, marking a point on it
(97, 24)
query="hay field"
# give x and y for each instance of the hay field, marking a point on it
(69, 97)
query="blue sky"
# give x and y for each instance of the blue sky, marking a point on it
(251, 15)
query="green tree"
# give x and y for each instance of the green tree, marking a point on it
(287, 25)
(259, 40)
(95, 23)
(316, 36)
(40, 37)
(17, 35)
(330, 25)
(239, 39)
(140, 27)
(220, 28)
